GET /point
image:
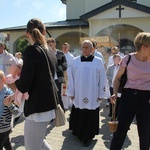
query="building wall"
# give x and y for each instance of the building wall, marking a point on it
(76, 8)
(97, 25)
(126, 13)
(55, 33)
(144, 2)
(93, 4)
(2, 37)
(14, 36)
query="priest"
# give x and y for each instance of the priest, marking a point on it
(87, 85)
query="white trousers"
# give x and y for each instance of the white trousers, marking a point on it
(34, 134)
(67, 102)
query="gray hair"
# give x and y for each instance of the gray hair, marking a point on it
(88, 42)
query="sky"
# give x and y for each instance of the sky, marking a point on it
(15, 13)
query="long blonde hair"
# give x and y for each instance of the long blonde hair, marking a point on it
(36, 29)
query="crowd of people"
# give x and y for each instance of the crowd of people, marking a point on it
(82, 82)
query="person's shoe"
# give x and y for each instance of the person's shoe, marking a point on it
(87, 143)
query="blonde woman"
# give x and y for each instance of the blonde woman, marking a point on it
(135, 99)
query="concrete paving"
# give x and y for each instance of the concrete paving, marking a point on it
(60, 138)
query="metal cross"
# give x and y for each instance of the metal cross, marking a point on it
(119, 10)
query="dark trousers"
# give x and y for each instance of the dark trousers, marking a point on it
(59, 94)
(5, 141)
(133, 103)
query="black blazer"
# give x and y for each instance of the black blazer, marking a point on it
(35, 80)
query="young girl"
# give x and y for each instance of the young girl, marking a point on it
(7, 109)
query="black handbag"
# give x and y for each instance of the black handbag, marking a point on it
(123, 79)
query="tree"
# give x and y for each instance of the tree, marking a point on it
(21, 44)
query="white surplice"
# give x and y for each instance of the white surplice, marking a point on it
(87, 82)
(66, 99)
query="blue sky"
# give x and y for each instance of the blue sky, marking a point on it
(18, 12)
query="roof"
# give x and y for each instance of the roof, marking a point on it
(67, 23)
(112, 4)
(64, 1)
(59, 24)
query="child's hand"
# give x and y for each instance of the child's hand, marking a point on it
(8, 100)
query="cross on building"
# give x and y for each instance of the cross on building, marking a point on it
(120, 9)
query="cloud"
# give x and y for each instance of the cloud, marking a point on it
(28, 15)
(61, 12)
(55, 13)
(18, 3)
(38, 4)
(2, 4)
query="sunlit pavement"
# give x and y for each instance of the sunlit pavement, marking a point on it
(60, 138)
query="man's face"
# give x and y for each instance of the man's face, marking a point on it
(86, 49)
(52, 44)
(18, 55)
(117, 60)
(114, 51)
(65, 48)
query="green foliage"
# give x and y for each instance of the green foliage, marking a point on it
(21, 44)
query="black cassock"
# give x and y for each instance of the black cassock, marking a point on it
(84, 123)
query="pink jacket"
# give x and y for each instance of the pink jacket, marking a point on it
(18, 95)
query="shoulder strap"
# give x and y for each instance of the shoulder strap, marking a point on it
(129, 59)
(54, 86)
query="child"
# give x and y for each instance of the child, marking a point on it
(7, 109)
(111, 73)
(14, 74)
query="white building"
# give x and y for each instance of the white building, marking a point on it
(4, 38)
(109, 21)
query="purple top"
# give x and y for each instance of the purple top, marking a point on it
(138, 73)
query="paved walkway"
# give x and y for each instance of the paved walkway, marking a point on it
(60, 138)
